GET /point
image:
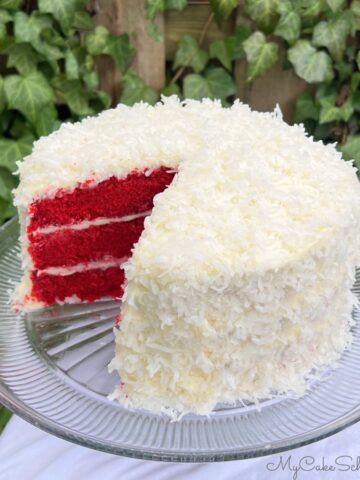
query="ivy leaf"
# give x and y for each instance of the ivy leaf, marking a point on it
(5, 16)
(153, 7)
(154, 32)
(175, 4)
(101, 41)
(355, 7)
(3, 31)
(330, 112)
(13, 150)
(335, 5)
(171, 89)
(96, 42)
(309, 10)
(121, 51)
(310, 64)
(189, 54)
(263, 12)
(83, 21)
(27, 28)
(220, 82)
(230, 48)
(306, 108)
(260, 54)
(196, 86)
(222, 50)
(62, 10)
(23, 57)
(333, 36)
(71, 65)
(99, 100)
(10, 4)
(344, 70)
(52, 37)
(351, 149)
(236, 41)
(46, 120)
(222, 9)
(2, 95)
(216, 83)
(289, 26)
(7, 184)
(355, 81)
(135, 90)
(91, 80)
(76, 97)
(28, 93)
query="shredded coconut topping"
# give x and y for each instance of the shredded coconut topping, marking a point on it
(239, 286)
(240, 283)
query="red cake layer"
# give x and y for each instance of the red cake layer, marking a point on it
(113, 197)
(68, 247)
(88, 285)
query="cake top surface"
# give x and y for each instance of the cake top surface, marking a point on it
(259, 193)
(122, 139)
(114, 143)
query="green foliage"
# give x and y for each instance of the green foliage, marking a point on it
(216, 83)
(351, 149)
(48, 55)
(4, 415)
(332, 35)
(135, 90)
(222, 9)
(311, 65)
(264, 13)
(189, 54)
(289, 24)
(260, 54)
(231, 48)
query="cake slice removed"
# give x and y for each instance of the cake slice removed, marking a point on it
(239, 287)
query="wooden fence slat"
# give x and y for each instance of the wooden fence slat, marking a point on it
(129, 16)
(191, 21)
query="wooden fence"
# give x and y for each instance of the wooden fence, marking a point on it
(278, 85)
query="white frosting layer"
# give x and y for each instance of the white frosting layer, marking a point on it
(103, 264)
(97, 222)
(240, 282)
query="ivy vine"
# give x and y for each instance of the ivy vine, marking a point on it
(48, 52)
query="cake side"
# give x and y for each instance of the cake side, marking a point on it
(245, 292)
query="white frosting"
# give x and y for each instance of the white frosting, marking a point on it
(103, 264)
(240, 282)
(97, 222)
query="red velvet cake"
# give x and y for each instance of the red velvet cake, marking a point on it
(78, 240)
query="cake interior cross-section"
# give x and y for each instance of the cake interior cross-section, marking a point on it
(78, 240)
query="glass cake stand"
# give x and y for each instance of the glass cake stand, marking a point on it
(53, 373)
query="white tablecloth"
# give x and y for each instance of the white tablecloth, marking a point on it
(27, 453)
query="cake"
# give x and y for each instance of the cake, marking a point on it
(231, 236)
